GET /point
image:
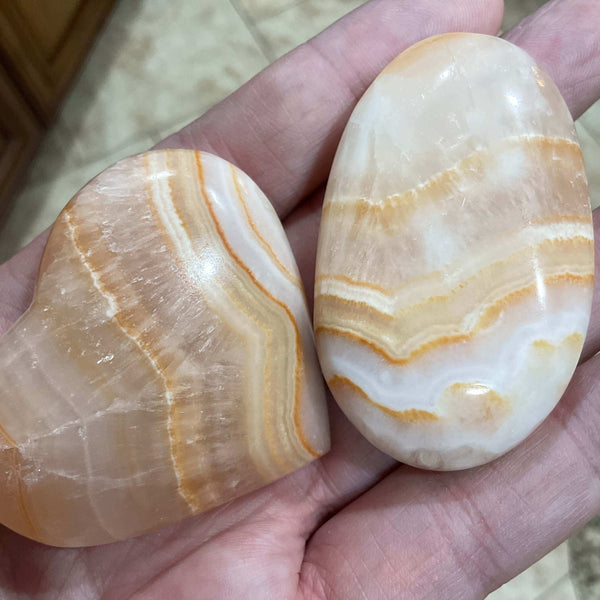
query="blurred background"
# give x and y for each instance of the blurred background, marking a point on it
(84, 83)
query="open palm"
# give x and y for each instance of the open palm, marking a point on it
(354, 524)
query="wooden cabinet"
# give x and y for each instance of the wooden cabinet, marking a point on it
(42, 44)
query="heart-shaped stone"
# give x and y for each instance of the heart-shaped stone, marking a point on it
(166, 364)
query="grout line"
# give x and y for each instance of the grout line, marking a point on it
(278, 11)
(259, 38)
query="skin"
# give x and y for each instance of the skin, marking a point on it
(354, 524)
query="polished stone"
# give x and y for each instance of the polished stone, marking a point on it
(166, 364)
(455, 261)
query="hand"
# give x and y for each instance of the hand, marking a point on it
(353, 524)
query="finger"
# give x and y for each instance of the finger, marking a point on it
(302, 230)
(563, 37)
(468, 532)
(17, 278)
(283, 126)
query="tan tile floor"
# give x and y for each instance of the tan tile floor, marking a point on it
(137, 87)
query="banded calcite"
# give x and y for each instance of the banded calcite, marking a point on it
(166, 364)
(455, 260)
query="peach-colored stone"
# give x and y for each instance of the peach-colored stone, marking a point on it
(455, 261)
(166, 364)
